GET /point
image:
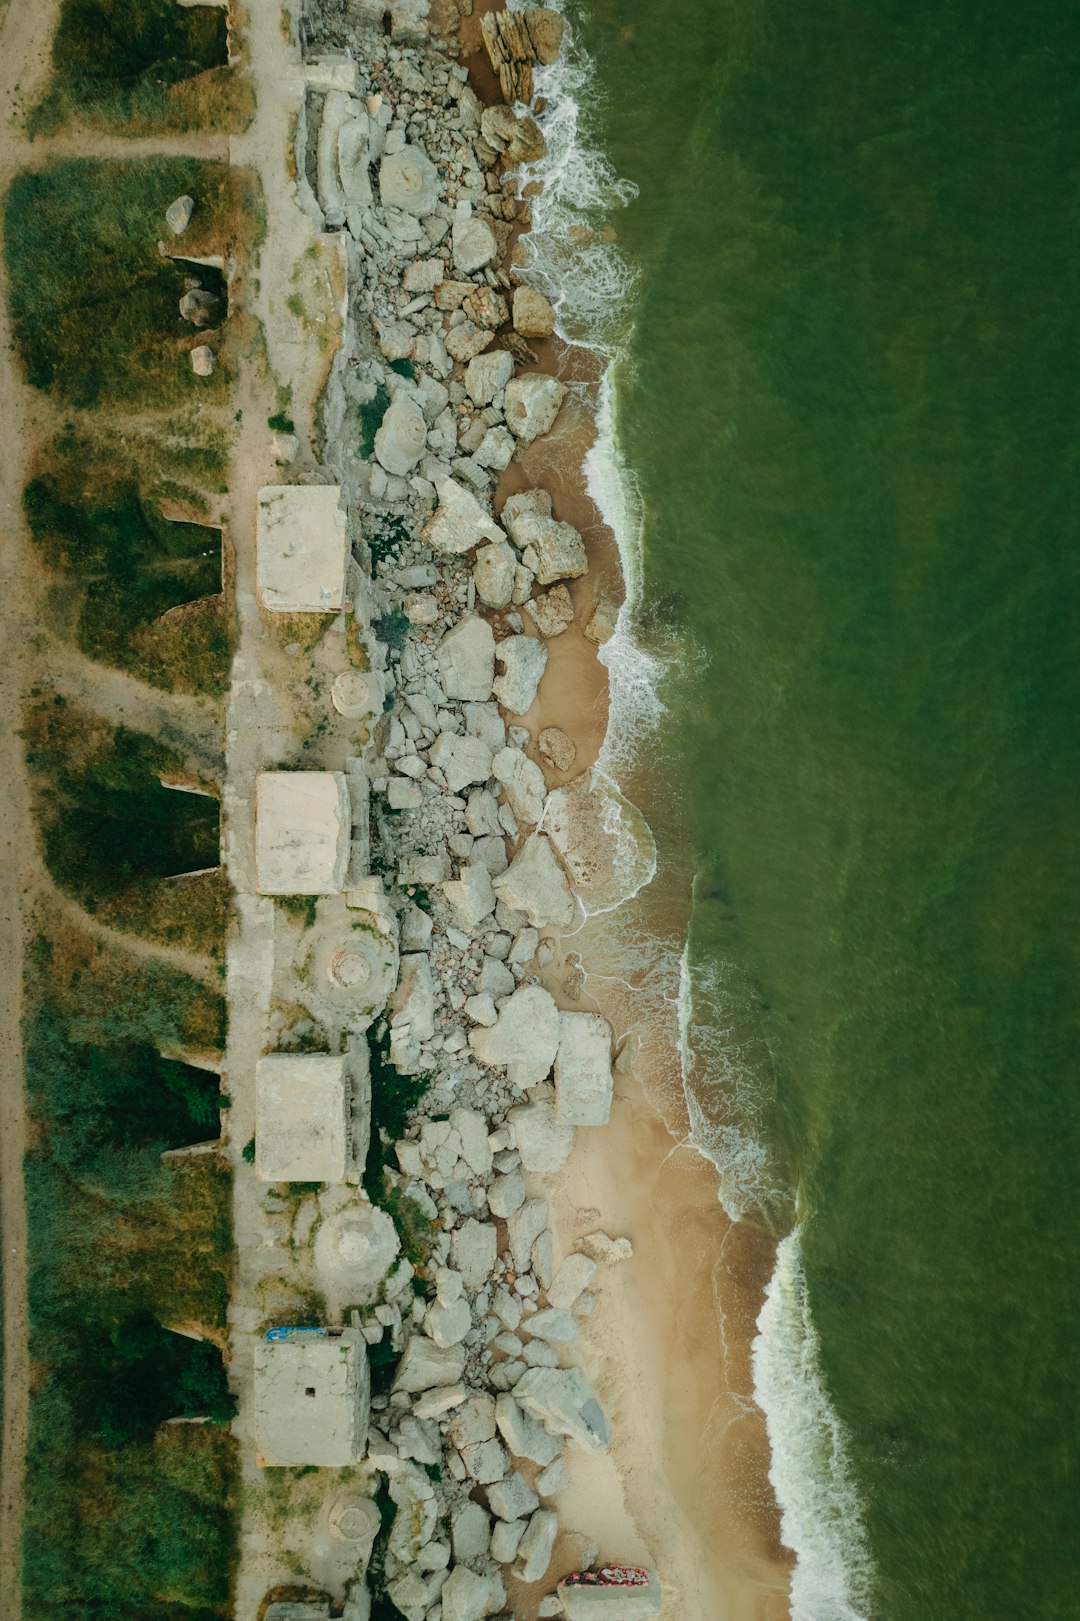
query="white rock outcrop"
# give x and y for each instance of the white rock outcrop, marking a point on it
(466, 657)
(583, 1070)
(524, 1039)
(534, 883)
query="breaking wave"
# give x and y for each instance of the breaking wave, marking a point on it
(573, 258)
(809, 1471)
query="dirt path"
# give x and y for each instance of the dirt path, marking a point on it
(26, 31)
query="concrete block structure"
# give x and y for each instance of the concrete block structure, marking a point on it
(302, 548)
(302, 1124)
(303, 830)
(312, 1394)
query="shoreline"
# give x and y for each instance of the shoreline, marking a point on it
(495, 1192)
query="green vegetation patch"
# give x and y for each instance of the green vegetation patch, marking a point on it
(94, 303)
(124, 1515)
(113, 836)
(149, 589)
(142, 65)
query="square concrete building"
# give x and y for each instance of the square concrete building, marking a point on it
(303, 828)
(301, 1118)
(311, 1400)
(301, 547)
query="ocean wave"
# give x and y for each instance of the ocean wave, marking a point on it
(716, 1068)
(810, 1471)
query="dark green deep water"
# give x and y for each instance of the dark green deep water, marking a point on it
(854, 411)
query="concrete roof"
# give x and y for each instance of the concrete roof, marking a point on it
(311, 1402)
(301, 1112)
(301, 547)
(303, 822)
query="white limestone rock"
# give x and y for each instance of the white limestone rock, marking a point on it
(426, 1365)
(524, 660)
(534, 1553)
(462, 760)
(401, 438)
(550, 549)
(556, 1327)
(524, 783)
(470, 1532)
(523, 1228)
(474, 1249)
(354, 156)
(534, 883)
(472, 1129)
(460, 522)
(408, 180)
(565, 1403)
(544, 1145)
(473, 242)
(506, 1194)
(532, 404)
(448, 1323)
(494, 574)
(178, 214)
(575, 1274)
(471, 897)
(533, 315)
(559, 750)
(523, 1435)
(525, 1038)
(469, 1597)
(583, 1079)
(552, 612)
(505, 1539)
(466, 657)
(512, 1499)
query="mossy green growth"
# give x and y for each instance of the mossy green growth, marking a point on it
(371, 414)
(130, 64)
(134, 571)
(94, 304)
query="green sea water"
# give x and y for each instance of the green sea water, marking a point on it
(850, 395)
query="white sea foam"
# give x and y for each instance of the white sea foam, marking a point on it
(574, 261)
(715, 1067)
(810, 1470)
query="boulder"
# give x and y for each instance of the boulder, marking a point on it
(523, 1435)
(354, 156)
(517, 39)
(525, 1037)
(506, 1538)
(533, 315)
(474, 1421)
(494, 574)
(472, 1129)
(553, 1480)
(608, 1251)
(486, 307)
(465, 341)
(575, 1274)
(426, 1365)
(199, 307)
(412, 1006)
(532, 404)
(485, 1462)
(524, 660)
(448, 1322)
(471, 896)
(524, 783)
(543, 1145)
(556, 748)
(550, 549)
(202, 361)
(466, 658)
(401, 437)
(487, 375)
(462, 760)
(611, 1603)
(473, 243)
(423, 276)
(496, 449)
(470, 1532)
(469, 1597)
(417, 1511)
(603, 620)
(523, 1228)
(583, 1070)
(178, 214)
(534, 1552)
(516, 134)
(565, 1403)
(556, 1327)
(506, 1194)
(534, 883)
(459, 522)
(474, 1250)
(409, 180)
(512, 1499)
(553, 611)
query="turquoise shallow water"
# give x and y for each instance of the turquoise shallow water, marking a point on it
(851, 397)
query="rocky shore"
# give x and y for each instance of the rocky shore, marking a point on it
(458, 580)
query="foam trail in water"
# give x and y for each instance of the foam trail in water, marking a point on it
(573, 260)
(810, 1471)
